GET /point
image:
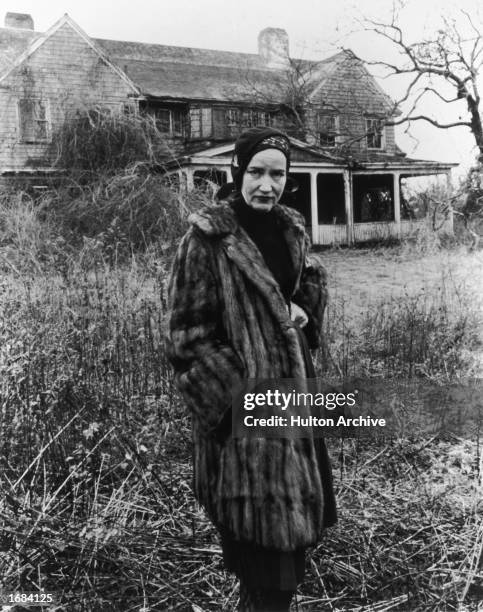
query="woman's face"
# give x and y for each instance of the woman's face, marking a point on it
(264, 179)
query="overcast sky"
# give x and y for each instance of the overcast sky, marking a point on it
(316, 28)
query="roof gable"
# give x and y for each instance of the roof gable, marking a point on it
(346, 83)
(35, 42)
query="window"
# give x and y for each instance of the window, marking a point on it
(253, 118)
(247, 117)
(129, 109)
(201, 123)
(375, 133)
(34, 120)
(232, 117)
(328, 129)
(169, 121)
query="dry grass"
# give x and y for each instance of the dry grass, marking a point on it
(95, 457)
(394, 314)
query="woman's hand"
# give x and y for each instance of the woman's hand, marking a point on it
(298, 315)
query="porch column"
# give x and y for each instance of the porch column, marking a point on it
(314, 209)
(348, 207)
(397, 203)
(449, 222)
(189, 179)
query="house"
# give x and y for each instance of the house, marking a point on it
(345, 159)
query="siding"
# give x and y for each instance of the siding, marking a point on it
(350, 91)
(66, 71)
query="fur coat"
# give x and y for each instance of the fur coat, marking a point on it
(229, 321)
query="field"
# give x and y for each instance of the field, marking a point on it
(95, 444)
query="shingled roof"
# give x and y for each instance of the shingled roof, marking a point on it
(172, 72)
(195, 81)
(125, 50)
(197, 74)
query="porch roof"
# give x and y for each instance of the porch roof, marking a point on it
(312, 158)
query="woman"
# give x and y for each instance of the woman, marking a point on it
(241, 292)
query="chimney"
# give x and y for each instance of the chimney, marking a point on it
(273, 47)
(20, 21)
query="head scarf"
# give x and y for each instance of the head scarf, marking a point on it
(251, 142)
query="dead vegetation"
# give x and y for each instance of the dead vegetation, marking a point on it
(95, 458)
(95, 473)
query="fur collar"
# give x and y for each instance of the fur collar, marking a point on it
(220, 220)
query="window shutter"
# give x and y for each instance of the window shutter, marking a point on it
(40, 120)
(27, 127)
(33, 121)
(177, 122)
(206, 123)
(195, 122)
(163, 122)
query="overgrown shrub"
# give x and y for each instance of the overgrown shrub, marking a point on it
(113, 200)
(95, 141)
(119, 214)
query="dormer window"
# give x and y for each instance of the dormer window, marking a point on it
(375, 133)
(328, 126)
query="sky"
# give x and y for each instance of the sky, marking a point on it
(316, 29)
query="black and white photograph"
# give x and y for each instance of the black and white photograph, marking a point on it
(241, 323)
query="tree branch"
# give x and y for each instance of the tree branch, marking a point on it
(443, 126)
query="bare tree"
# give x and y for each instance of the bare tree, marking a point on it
(294, 94)
(446, 65)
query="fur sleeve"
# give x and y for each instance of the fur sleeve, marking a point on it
(206, 367)
(312, 296)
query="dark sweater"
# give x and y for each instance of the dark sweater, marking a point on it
(265, 231)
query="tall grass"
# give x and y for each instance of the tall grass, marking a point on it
(94, 465)
(86, 404)
(28, 240)
(432, 334)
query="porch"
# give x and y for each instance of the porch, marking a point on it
(342, 205)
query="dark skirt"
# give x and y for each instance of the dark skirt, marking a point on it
(262, 568)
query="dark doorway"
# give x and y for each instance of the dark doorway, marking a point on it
(297, 194)
(373, 198)
(331, 199)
